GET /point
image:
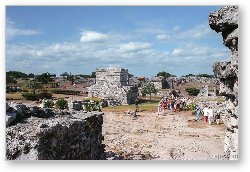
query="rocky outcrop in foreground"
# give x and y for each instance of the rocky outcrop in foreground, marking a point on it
(46, 134)
(226, 21)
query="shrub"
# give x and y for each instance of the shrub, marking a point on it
(192, 91)
(92, 107)
(67, 92)
(45, 95)
(61, 104)
(30, 96)
(48, 104)
(190, 106)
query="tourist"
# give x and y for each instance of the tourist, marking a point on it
(210, 115)
(136, 105)
(205, 112)
(169, 103)
(159, 109)
(163, 105)
(198, 112)
(217, 117)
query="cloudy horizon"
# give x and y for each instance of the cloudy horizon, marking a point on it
(145, 40)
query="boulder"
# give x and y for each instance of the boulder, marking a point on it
(41, 113)
(10, 117)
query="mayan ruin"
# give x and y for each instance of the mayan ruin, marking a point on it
(131, 89)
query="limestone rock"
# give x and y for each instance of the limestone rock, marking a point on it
(112, 84)
(10, 117)
(41, 113)
(68, 137)
(226, 21)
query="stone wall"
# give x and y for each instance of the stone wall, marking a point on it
(61, 136)
(226, 21)
(112, 84)
(159, 82)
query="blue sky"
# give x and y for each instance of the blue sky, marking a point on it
(144, 39)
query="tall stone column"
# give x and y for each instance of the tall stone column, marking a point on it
(226, 21)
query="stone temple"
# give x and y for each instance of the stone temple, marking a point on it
(112, 84)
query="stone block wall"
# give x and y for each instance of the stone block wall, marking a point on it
(112, 84)
(226, 21)
(76, 136)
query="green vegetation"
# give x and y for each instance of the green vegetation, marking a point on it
(205, 75)
(92, 107)
(191, 106)
(45, 78)
(188, 75)
(67, 92)
(149, 107)
(48, 104)
(61, 104)
(192, 91)
(30, 96)
(165, 74)
(96, 99)
(17, 74)
(199, 75)
(36, 96)
(149, 89)
(34, 86)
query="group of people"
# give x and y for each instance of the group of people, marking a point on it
(171, 103)
(209, 114)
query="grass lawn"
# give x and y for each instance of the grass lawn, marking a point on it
(149, 107)
(14, 96)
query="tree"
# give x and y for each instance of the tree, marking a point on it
(71, 78)
(189, 75)
(93, 74)
(192, 91)
(205, 75)
(45, 78)
(165, 74)
(16, 74)
(149, 89)
(34, 85)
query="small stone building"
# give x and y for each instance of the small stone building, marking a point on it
(112, 84)
(159, 82)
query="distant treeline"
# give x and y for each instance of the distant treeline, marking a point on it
(17, 74)
(167, 75)
(199, 75)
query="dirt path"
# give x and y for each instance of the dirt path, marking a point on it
(162, 137)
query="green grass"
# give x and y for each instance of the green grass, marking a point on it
(150, 107)
(92, 98)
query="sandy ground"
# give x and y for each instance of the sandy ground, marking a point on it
(170, 136)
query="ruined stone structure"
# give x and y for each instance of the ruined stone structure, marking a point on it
(62, 135)
(226, 21)
(112, 84)
(159, 82)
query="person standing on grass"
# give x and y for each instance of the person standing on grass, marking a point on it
(136, 105)
(205, 112)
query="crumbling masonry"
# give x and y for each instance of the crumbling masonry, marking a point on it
(45, 134)
(226, 21)
(112, 84)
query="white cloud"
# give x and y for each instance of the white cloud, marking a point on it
(134, 46)
(12, 30)
(92, 36)
(162, 37)
(177, 52)
(199, 31)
